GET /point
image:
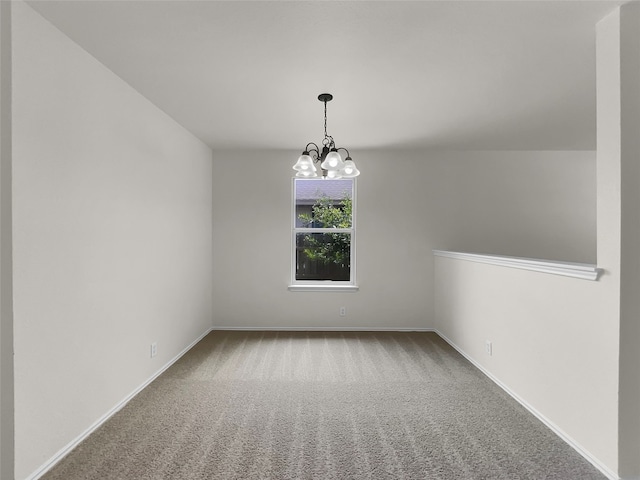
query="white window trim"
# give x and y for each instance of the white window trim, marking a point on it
(323, 285)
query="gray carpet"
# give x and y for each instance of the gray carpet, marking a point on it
(302, 405)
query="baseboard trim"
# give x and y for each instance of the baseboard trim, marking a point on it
(326, 329)
(49, 464)
(552, 426)
(44, 468)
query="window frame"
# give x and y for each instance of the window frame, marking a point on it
(323, 285)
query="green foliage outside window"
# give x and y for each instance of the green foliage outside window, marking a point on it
(328, 247)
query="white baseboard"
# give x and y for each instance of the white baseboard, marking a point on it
(64, 451)
(69, 447)
(552, 426)
(44, 468)
(327, 329)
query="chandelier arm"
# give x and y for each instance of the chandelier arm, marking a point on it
(315, 150)
(348, 154)
(308, 149)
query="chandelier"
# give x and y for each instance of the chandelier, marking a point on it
(331, 162)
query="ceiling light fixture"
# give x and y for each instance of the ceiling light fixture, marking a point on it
(331, 162)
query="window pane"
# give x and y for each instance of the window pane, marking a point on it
(323, 256)
(323, 203)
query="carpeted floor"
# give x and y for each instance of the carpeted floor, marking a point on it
(303, 405)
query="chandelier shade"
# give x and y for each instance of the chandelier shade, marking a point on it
(331, 163)
(305, 167)
(349, 170)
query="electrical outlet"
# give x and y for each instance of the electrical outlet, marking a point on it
(488, 347)
(154, 349)
(343, 311)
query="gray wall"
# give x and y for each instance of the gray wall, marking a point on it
(526, 204)
(629, 120)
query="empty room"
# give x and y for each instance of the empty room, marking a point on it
(319, 240)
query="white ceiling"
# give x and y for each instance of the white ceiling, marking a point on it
(422, 74)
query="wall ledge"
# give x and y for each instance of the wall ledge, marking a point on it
(584, 271)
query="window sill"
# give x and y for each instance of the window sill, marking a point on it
(323, 288)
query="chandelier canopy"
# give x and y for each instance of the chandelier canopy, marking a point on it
(331, 163)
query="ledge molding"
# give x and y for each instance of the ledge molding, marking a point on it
(584, 271)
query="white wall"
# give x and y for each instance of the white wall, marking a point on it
(112, 235)
(252, 246)
(536, 204)
(555, 343)
(568, 347)
(6, 303)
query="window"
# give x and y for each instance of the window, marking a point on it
(323, 234)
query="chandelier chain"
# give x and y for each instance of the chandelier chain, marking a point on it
(328, 139)
(325, 119)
